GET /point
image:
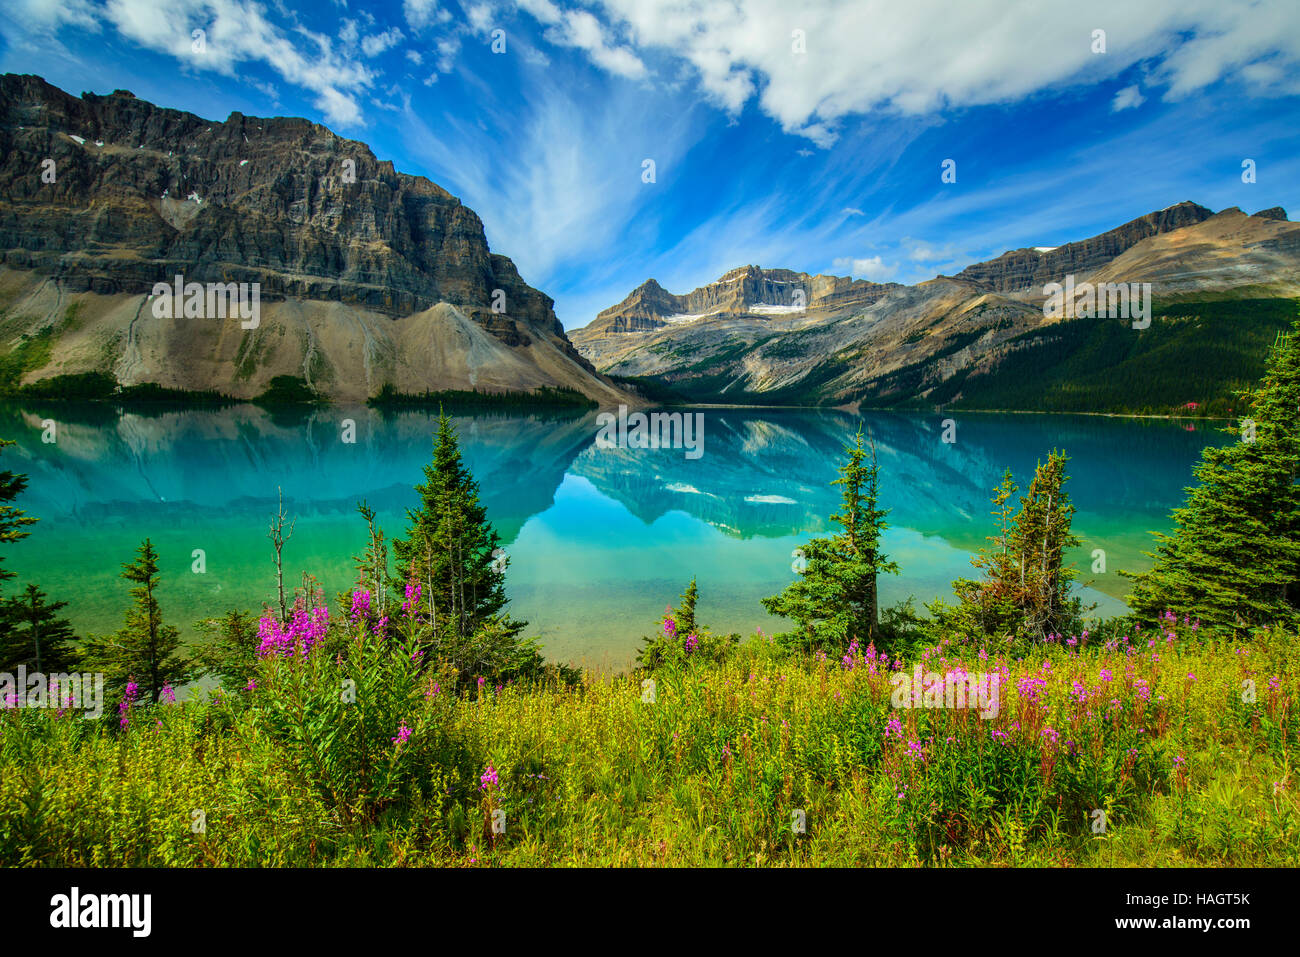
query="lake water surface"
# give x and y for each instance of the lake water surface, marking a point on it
(600, 540)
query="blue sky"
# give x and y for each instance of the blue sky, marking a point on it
(807, 135)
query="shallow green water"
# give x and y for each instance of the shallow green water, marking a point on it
(600, 540)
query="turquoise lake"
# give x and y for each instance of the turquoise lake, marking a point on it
(600, 540)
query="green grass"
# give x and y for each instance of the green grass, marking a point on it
(710, 773)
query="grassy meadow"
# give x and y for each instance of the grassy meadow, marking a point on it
(1185, 743)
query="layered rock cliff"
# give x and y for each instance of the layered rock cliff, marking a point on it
(1023, 269)
(933, 341)
(101, 197)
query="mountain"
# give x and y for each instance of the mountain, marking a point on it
(766, 295)
(1020, 270)
(1222, 285)
(368, 277)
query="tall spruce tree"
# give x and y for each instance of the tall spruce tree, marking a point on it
(835, 600)
(1233, 557)
(1026, 589)
(35, 636)
(990, 605)
(1040, 537)
(451, 550)
(144, 649)
(13, 521)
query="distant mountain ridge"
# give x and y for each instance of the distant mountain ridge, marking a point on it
(1019, 270)
(748, 290)
(368, 277)
(952, 340)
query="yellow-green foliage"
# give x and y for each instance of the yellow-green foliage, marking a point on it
(709, 772)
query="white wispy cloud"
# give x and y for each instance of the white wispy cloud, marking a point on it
(237, 32)
(870, 56)
(871, 267)
(570, 189)
(377, 43)
(1127, 98)
(423, 13)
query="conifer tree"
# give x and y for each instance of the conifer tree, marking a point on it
(684, 617)
(1026, 589)
(13, 521)
(1233, 557)
(1039, 539)
(835, 600)
(989, 606)
(451, 550)
(35, 636)
(145, 649)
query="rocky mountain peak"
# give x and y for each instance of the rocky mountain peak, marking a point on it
(106, 196)
(1020, 270)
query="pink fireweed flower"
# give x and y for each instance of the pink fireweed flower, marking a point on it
(304, 631)
(481, 681)
(894, 728)
(168, 694)
(360, 603)
(1078, 692)
(403, 734)
(692, 642)
(128, 699)
(412, 596)
(251, 686)
(1106, 675)
(487, 777)
(670, 627)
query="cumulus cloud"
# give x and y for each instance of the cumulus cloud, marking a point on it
(422, 13)
(575, 28)
(872, 267)
(447, 48)
(45, 16)
(869, 56)
(377, 43)
(238, 31)
(1127, 98)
